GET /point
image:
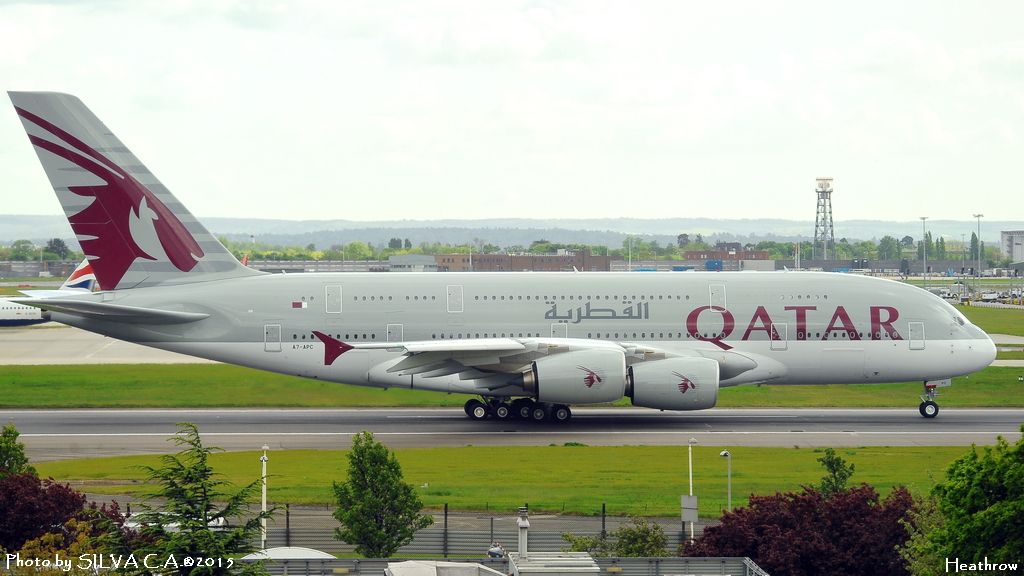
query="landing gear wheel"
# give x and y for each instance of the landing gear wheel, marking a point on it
(560, 413)
(477, 410)
(522, 408)
(539, 412)
(501, 410)
(928, 408)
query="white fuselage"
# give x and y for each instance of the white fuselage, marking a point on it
(786, 327)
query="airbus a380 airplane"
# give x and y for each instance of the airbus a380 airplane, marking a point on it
(548, 340)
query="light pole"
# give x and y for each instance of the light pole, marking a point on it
(689, 450)
(728, 459)
(963, 254)
(263, 519)
(924, 254)
(977, 282)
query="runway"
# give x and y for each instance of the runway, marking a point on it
(63, 434)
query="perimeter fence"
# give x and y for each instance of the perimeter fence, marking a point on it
(710, 566)
(465, 534)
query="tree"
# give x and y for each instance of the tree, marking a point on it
(378, 511)
(974, 247)
(982, 502)
(837, 472)
(888, 248)
(923, 556)
(23, 250)
(638, 539)
(805, 533)
(12, 453)
(58, 247)
(407, 244)
(74, 539)
(395, 244)
(907, 241)
(201, 513)
(358, 251)
(30, 507)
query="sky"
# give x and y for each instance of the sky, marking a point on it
(563, 109)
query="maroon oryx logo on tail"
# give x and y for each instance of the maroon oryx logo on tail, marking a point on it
(591, 377)
(684, 383)
(104, 226)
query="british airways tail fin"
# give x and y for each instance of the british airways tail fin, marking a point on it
(82, 278)
(134, 232)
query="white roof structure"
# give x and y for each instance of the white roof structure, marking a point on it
(288, 553)
(432, 568)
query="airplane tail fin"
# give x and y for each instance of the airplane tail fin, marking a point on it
(134, 232)
(82, 278)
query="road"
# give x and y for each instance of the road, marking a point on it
(62, 434)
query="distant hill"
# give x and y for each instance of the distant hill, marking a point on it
(519, 231)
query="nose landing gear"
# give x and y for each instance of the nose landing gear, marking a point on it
(928, 407)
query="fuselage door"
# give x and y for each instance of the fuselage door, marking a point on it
(395, 333)
(560, 330)
(779, 336)
(454, 298)
(916, 330)
(717, 294)
(332, 298)
(272, 337)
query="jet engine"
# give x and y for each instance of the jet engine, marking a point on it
(689, 383)
(580, 377)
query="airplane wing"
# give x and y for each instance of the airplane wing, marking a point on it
(491, 362)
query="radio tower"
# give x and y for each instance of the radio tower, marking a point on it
(824, 234)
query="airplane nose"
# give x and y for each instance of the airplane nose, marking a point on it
(985, 351)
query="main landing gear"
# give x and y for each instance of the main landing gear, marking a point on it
(928, 408)
(520, 409)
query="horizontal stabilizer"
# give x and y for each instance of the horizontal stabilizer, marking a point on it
(53, 293)
(113, 312)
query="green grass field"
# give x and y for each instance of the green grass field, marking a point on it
(16, 290)
(219, 385)
(996, 320)
(645, 480)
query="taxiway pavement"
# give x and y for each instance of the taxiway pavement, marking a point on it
(63, 434)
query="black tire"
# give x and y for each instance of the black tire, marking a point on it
(560, 413)
(502, 411)
(522, 408)
(466, 407)
(929, 409)
(477, 410)
(539, 412)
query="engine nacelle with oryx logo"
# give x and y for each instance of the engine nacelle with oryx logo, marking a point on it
(674, 384)
(580, 377)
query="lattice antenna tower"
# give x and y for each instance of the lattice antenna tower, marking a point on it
(824, 233)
